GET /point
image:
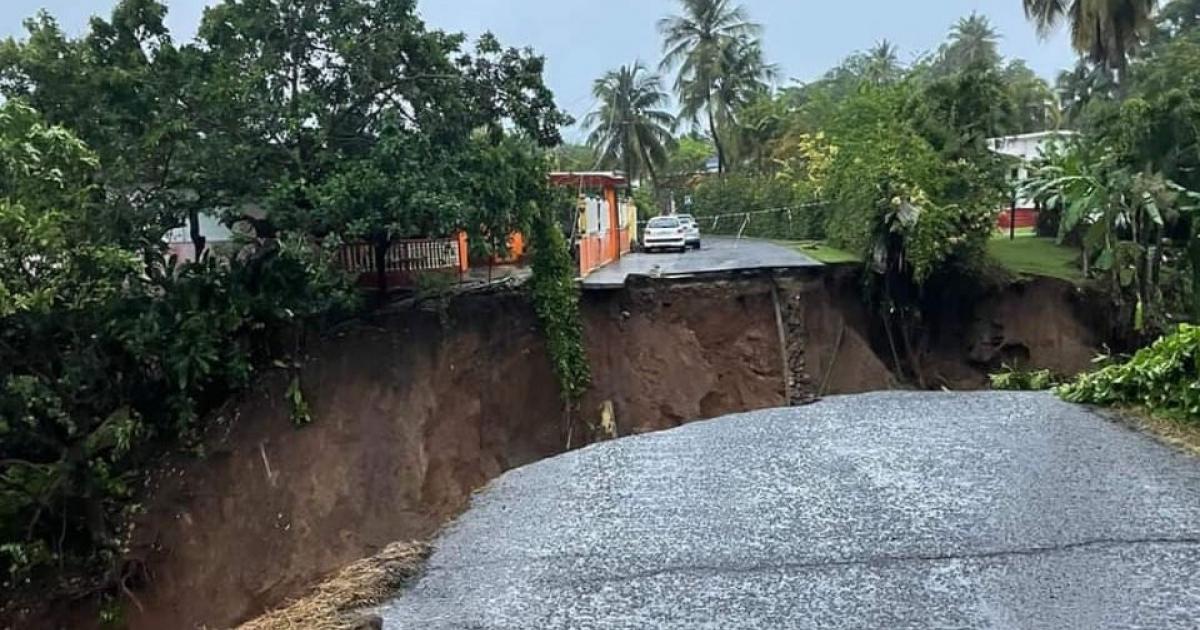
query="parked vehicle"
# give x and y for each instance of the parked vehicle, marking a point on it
(691, 229)
(665, 233)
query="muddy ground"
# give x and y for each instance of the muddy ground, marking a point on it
(415, 410)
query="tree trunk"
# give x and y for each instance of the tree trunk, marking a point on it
(712, 128)
(650, 168)
(198, 239)
(628, 172)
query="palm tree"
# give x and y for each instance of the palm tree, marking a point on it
(1035, 105)
(1105, 31)
(1077, 87)
(973, 42)
(881, 65)
(630, 126)
(702, 43)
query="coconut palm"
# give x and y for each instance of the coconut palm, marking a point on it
(1080, 86)
(973, 42)
(881, 65)
(630, 126)
(702, 43)
(1035, 104)
(1105, 31)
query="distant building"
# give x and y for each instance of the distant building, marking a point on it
(1026, 147)
(215, 233)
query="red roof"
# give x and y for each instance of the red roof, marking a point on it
(591, 179)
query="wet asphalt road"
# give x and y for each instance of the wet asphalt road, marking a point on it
(895, 510)
(717, 254)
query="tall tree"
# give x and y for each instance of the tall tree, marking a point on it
(119, 88)
(1035, 106)
(742, 75)
(630, 126)
(700, 43)
(973, 42)
(1081, 85)
(881, 64)
(1105, 31)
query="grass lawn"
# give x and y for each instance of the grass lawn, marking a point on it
(821, 251)
(1036, 256)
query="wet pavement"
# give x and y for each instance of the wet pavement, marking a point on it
(892, 510)
(717, 254)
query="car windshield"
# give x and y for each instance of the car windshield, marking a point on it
(664, 222)
(686, 218)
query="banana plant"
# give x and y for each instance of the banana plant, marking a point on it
(1119, 215)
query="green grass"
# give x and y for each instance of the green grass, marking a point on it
(822, 252)
(1035, 256)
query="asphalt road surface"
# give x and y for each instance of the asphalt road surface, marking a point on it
(718, 254)
(895, 510)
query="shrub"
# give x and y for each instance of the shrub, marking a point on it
(1164, 378)
(111, 354)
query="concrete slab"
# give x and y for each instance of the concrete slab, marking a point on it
(891, 510)
(719, 254)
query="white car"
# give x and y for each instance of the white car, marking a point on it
(691, 229)
(664, 233)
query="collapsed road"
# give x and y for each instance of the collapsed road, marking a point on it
(890, 510)
(719, 254)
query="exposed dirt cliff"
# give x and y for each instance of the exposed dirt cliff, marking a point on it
(414, 410)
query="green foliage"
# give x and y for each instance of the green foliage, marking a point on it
(973, 43)
(720, 63)
(887, 187)
(1161, 378)
(630, 129)
(556, 300)
(110, 354)
(646, 206)
(1106, 31)
(765, 206)
(1118, 214)
(297, 405)
(1017, 379)
(299, 109)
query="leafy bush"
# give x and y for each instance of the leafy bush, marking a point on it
(110, 354)
(1163, 378)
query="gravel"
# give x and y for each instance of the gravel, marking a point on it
(890, 510)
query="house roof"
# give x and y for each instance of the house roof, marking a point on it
(587, 178)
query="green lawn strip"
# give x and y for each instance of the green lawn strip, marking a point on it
(821, 251)
(1036, 256)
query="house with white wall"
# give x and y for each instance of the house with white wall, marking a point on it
(1026, 148)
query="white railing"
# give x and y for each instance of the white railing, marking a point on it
(406, 255)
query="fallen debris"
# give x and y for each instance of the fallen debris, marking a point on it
(338, 603)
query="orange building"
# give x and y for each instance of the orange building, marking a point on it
(606, 223)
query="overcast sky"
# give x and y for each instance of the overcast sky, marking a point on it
(583, 38)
